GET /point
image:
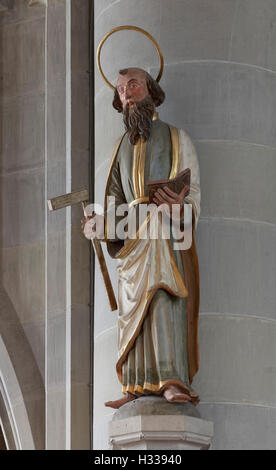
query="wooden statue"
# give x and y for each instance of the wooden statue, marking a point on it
(158, 286)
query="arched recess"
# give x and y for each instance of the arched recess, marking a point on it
(22, 397)
(3, 445)
(13, 414)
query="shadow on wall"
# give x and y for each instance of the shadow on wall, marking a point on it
(21, 385)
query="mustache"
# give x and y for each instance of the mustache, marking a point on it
(138, 119)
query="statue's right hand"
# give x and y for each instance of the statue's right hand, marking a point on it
(87, 226)
(93, 226)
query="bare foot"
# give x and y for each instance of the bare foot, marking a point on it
(122, 401)
(174, 394)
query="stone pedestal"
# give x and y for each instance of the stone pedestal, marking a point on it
(151, 423)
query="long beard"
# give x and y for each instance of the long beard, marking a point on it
(138, 119)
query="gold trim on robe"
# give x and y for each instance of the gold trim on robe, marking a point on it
(140, 200)
(175, 152)
(159, 388)
(139, 157)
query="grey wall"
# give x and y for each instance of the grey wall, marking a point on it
(22, 169)
(220, 82)
(67, 251)
(45, 260)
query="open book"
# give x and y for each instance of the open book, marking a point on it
(176, 184)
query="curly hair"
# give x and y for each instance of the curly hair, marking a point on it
(154, 89)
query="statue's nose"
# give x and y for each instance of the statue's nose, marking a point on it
(127, 94)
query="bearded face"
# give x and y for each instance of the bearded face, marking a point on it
(137, 95)
(138, 119)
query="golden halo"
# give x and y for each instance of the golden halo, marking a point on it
(132, 28)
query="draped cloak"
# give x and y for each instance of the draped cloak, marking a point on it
(158, 286)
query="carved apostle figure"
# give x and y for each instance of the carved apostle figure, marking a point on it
(158, 285)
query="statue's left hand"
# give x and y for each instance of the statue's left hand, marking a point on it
(168, 197)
